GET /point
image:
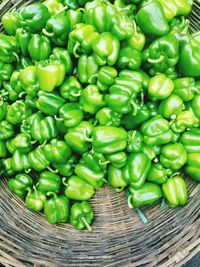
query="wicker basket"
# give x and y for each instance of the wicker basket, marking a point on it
(119, 238)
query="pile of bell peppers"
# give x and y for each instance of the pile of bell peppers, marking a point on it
(96, 93)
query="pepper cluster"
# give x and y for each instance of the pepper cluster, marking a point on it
(99, 92)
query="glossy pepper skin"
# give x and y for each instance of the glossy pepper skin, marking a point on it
(151, 19)
(109, 54)
(20, 162)
(81, 215)
(195, 106)
(66, 169)
(26, 124)
(8, 49)
(184, 120)
(81, 39)
(7, 167)
(62, 55)
(87, 68)
(22, 142)
(107, 117)
(43, 128)
(71, 89)
(77, 137)
(23, 38)
(29, 81)
(156, 131)
(11, 22)
(108, 139)
(191, 140)
(136, 169)
(129, 58)
(35, 200)
(57, 151)
(170, 8)
(34, 17)
(71, 114)
(118, 159)
(175, 192)
(91, 99)
(49, 102)
(184, 88)
(20, 184)
(158, 174)
(192, 166)
(173, 156)
(54, 6)
(148, 194)
(6, 71)
(17, 112)
(56, 209)
(50, 74)
(78, 189)
(94, 161)
(3, 109)
(49, 182)
(116, 179)
(3, 149)
(6, 130)
(37, 159)
(39, 47)
(135, 141)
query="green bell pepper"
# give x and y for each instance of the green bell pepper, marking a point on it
(78, 189)
(39, 47)
(37, 159)
(184, 88)
(81, 215)
(29, 81)
(43, 128)
(3, 109)
(50, 74)
(192, 166)
(136, 169)
(156, 131)
(158, 174)
(11, 22)
(175, 192)
(57, 151)
(26, 124)
(56, 209)
(191, 140)
(173, 156)
(62, 55)
(71, 114)
(184, 120)
(3, 149)
(195, 106)
(34, 17)
(6, 71)
(107, 117)
(129, 58)
(6, 130)
(135, 141)
(148, 194)
(20, 162)
(35, 200)
(183, 7)
(21, 142)
(23, 38)
(6, 165)
(54, 6)
(170, 8)
(118, 159)
(20, 184)
(16, 85)
(66, 169)
(75, 17)
(116, 179)
(24, 62)
(8, 49)
(49, 182)
(71, 89)
(94, 161)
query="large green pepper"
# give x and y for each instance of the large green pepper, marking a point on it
(71, 114)
(6, 130)
(35, 200)
(116, 179)
(49, 182)
(81, 39)
(56, 209)
(148, 194)
(11, 22)
(29, 81)
(158, 174)
(81, 215)
(191, 140)
(43, 128)
(7, 167)
(107, 117)
(49, 102)
(173, 156)
(39, 47)
(184, 88)
(50, 74)
(184, 120)
(192, 166)
(71, 89)
(129, 58)
(136, 169)
(66, 169)
(108, 139)
(78, 137)
(175, 192)
(91, 99)
(156, 131)
(20, 162)
(8, 49)
(110, 52)
(21, 142)
(17, 112)
(78, 189)
(23, 38)
(62, 55)
(3, 149)
(37, 159)
(20, 184)
(57, 151)
(34, 17)
(151, 19)
(87, 68)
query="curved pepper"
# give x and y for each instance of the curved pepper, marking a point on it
(3, 109)
(81, 215)
(175, 192)
(6, 71)
(56, 209)
(21, 142)
(39, 47)
(78, 189)
(20, 184)
(94, 161)
(184, 88)
(158, 174)
(192, 166)
(54, 6)
(35, 200)
(191, 140)
(173, 156)
(71, 89)
(49, 182)
(71, 114)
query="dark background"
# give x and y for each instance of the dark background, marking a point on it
(194, 262)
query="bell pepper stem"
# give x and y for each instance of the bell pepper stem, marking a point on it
(104, 162)
(129, 202)
(105, 181)
(119, 190)
(29, 190)
(81, 9)
(22, 94)
(86, 224)
(51, 170)
(175, 174)
(158, 60)
(28, 170)
(173, 116)
(33, 142)
(155, 160)
(135, 27)
(75, 94)
(16, 56)
(91, 79)
(52, 194)
(194, 89)
(87, 139)
(57, 118)
(64, 181)
(75, 50)
(61, 10)
(141, 215)
(48, 34)
(43, 144)
(135, 108)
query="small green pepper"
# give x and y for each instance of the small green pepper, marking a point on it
(71, 89)
(35, 200)
(62, 55)
(29, 81)
(7, 167)
(66, 169)
(37, 159)
(6, 130)
(49, 182)
(11, 22)
(20, 162)
(8, 49)
(39, 47)
(185, 119)
(118, 159)
(23, 38)
(71, 114)
(116, 179)
(158, 174)
(129, 58)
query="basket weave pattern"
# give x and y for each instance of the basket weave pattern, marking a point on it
(119, 238)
